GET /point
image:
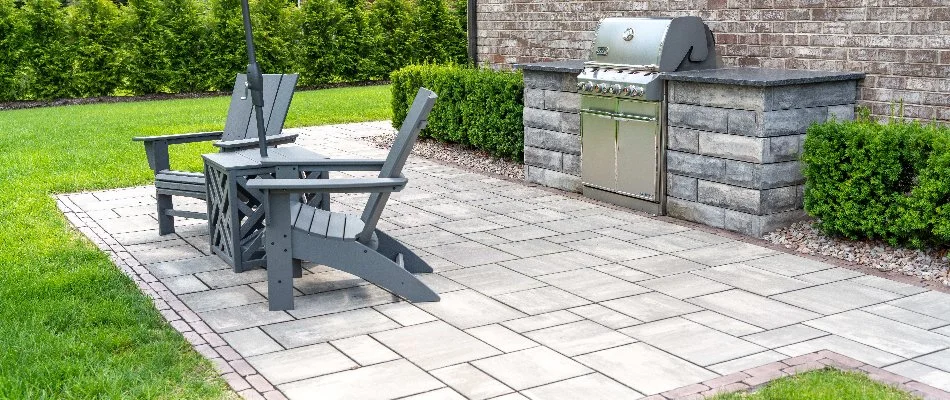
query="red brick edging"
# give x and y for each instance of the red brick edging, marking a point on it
(754, 378)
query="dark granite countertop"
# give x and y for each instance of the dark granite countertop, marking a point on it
(760, 76)
(569, 66)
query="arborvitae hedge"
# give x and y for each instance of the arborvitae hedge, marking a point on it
(476, 106)
(101, 47)
(889, 181)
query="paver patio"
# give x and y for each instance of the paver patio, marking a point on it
(544, 296)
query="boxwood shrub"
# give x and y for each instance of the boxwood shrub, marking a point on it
(479, 107)
(889, 181)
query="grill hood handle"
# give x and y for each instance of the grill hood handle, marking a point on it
(686, 37)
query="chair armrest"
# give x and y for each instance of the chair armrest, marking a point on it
(364, 185)
(326, 164)
(272, 140)
(181, 138)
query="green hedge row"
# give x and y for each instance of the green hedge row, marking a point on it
(890, 181)
(102, 47)
(479, 107)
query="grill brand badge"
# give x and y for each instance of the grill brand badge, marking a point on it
(628, 34)
(602, 50)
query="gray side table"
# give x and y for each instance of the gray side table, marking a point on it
(236, 217)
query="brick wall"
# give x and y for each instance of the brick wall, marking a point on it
(902, 45)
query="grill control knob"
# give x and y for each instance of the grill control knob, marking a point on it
(634, 90)
(587, 86)
(600, 88)
(614, 89)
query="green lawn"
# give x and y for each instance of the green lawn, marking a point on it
(71, 324)
(826, 384)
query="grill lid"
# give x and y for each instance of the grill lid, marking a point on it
(658, 44)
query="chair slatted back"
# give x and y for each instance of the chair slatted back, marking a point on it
(242, 121)
(415, 121)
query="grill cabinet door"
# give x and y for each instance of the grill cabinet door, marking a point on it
(637, 158)
(598, 162)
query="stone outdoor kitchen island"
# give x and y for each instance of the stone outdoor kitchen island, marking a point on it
(733, 138)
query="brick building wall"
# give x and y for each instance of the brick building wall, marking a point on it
(902, 45)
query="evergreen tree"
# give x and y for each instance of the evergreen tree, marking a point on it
(11, 39)
(362, 43)
(148, 66)
(225, 53)
(395, 21)
(98, 61)
(276, 34)
(324, 31)
(185, 44)
(439, 39)
(460, 10)
(46, 58)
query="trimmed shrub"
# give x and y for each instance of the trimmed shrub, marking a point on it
(889, 181)
(98, 61)
(477, 106)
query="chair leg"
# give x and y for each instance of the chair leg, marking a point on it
(298, 268)
(390, 247)
(166, 223)
(280, 262)
(364, 262)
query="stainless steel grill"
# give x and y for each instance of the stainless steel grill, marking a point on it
(622, 107)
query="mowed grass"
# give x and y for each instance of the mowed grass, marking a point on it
(71, 324)
(825, 384)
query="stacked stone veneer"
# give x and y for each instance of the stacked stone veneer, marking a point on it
(552, 128)
(733, 151)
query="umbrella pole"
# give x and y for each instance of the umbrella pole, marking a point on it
(255, 80)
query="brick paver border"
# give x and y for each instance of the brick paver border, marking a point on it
(754, 378)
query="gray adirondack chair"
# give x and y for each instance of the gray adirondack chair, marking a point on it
(350, 243)
(240, 133)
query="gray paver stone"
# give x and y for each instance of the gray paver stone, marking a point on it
(531, 367)
(434, 345)
(471, 382)
(644, 368)
(364, 350)
(588, 387)
(301, 363)
(376, 382)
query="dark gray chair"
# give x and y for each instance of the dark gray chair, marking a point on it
(350, 243)
(240, 133)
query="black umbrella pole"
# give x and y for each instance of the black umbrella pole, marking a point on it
(255, 80)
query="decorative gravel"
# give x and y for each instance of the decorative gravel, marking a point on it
(804, 237)
(466, 157)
